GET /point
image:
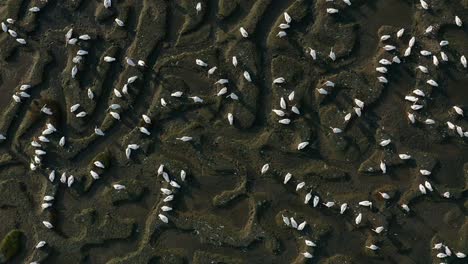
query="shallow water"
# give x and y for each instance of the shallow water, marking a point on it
(227, 211)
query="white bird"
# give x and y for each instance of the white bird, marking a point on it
(424, 4)
(212, 70)
(174, 184)
(425, 52)
(378, 229)
(301, 226)
(99, 164)
(46, 110)
(70, 181)
(385, 37)
(463, 61)
(265, 168)
(34, 9)
(381, 69)
(163, 218)
(425, 172)
(40, 244)
(429, 121)
(389, 47)
(302, 145)
(185, 138)
(428, 186)
(315, 201)
(223, 91)
(234, 61)
(443, 43)
(74, 71)
(322, 91)
(286, 220)
(293, 222)
(432, 83)
(146, 118)
(4, 27)
(307, 255)
(422, 189)
(300, 186)
(404, 156)
(107, 3)
(310, 243)
(118, 187)
(74, 107)
(329, 204)
(287, 17)
(348, 115)
(94, 174)
(247, 76)
(130, 62)
(244, 32)
(47, 224)
(230, 118)
(407, 52)
(285, 121)
(343, 208)
(307, 198)
(385, 142)
(52, 176)
(383, 167)
(419, 93)
(365, 203)
(165, 208)
(132, 79)
(144, 130)
(115, 115)
(183, 175)
(287, 177)
(372, 247)
(90, 94)
(81, 114)
(460, 255)
(458, 110)
(358, 219)
(332, 55)
(282, 103)
(313, 53)
(201, 63)
(119, 22)
(458, 21)
(336, 130)
(279, 80)
(109, 59)
(444, 56)
(198, 7)
(405, 207)
(281, 34)
(98, 131)
(400, 33)
(168, 198)
(332, 10)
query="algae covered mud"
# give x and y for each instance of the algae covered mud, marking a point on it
(233, 131)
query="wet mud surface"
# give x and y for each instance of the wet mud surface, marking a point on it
(230, 208)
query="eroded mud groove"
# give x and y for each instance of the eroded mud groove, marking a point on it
(233, 131)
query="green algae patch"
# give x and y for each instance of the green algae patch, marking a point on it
(10, 245)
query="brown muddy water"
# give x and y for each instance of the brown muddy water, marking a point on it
(226, 210)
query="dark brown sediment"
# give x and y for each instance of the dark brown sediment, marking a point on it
(227, 211)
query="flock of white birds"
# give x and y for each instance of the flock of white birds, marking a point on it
(382, 69)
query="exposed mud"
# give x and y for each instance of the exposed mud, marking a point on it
(227, 210)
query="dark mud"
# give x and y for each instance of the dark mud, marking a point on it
(227, 211)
